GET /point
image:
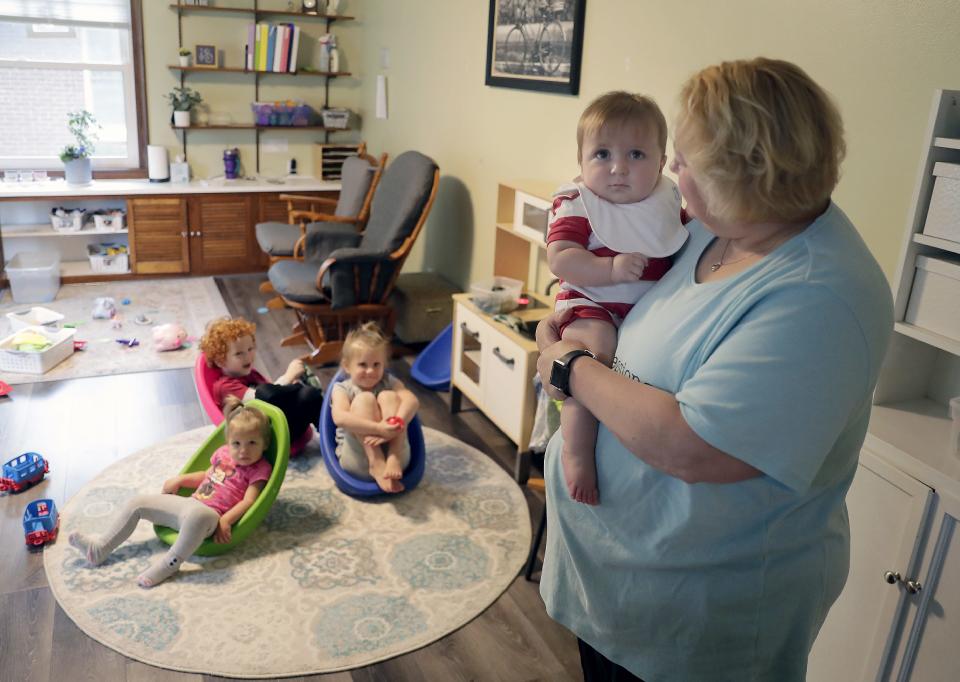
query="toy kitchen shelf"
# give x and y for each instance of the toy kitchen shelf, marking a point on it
(257, 13)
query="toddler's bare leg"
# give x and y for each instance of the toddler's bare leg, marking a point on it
(365, 406)
(389, 403)
(578, 425)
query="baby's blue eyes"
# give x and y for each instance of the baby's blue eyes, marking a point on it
(602, 155)
(637, 155)
(634, 154)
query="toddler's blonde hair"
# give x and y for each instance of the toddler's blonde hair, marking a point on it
(220, 333)
(619, 108)
(245, 418)
(369, 336)
(764, 141)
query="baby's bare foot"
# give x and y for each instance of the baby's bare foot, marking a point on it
(580, 473)
(393, 469)
(378, 469)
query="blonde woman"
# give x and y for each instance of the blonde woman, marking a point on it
(739, 397)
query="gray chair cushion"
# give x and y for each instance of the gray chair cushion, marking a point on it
(398, 202)
(355, 179)
(324, 238)
(295, 280)
(277, 239)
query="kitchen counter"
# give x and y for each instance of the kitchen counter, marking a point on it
(57, 188)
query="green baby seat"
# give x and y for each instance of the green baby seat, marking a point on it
(278, 454)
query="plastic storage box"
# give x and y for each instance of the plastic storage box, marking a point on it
(935, 297)
(34, 362)
(67, 220)
(943, 216)
(109, 220)
(336, 118)
(33, 317)
(108, 258)
(34, 277)
(496, 295)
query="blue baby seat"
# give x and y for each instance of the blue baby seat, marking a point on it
(432, 366)
(358, 487)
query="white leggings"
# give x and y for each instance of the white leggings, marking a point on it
(195, 521)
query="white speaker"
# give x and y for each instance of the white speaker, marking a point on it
(158, 163)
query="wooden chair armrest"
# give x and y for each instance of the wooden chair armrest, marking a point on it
(324, 266)
(314, 200)
(315, 217)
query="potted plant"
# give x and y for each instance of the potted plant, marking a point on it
(183, 99)
(76, 157)
(185, 56)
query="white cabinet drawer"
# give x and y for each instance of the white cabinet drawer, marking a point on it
(467, 356)
(505, 373)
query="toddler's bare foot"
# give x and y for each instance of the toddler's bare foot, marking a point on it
(393, 469)
(378, 470)
(580, 473)
(91, 549)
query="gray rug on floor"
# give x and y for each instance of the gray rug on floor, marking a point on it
(191, 302)
(327, 583)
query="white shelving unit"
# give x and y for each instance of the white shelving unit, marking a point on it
(899, 613)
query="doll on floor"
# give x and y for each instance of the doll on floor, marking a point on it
(223, 493)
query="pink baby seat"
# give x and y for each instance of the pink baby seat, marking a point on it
(204, 377)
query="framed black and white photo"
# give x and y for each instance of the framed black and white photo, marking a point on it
(535, 44)
(206, 55)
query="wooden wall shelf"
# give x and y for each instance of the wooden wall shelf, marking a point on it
(228, 69)
(258, 12)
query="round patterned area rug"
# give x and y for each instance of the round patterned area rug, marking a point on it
(327, 582)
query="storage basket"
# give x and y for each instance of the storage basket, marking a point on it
(283, 113)
(34, 362)
(935, 296)
(336, 118)
(943, 216)
(108, 258)
(110, 220)
(67, 220)
(497, 294)
(37, 316)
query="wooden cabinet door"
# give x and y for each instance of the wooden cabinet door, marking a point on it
(221, 236)
(933, 613)
(158, 235)
(888, 512)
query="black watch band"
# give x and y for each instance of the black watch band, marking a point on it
(560, 372)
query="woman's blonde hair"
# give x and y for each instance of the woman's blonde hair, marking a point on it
(764, 141)
(220, 333)
(620, 108)
(240, 416)
(368, 336)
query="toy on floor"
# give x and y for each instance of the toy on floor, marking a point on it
(4, 389)
(41, 522)
(129, 343)
(104, 308)
(351, 485)
(168, 337)
(22, 472)
(277, 453)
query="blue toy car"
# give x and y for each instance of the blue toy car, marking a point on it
(41, 522)
(23, 471)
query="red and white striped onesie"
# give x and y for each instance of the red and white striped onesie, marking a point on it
(651, 227)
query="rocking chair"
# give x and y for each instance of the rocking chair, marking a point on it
(344, 279)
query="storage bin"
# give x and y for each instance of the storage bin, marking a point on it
(108, 258)
(288, 113)
(497, 294)
(423, 303)
(336, 118)
(935, 296)
(67, 220)
(33, 362)
(34, 277)
(943, 215)
(36, 316)
(110, 220)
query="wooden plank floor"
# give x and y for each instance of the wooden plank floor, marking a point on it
(83, 425)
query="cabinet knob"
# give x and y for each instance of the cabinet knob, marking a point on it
(891, 577)
(913, 587)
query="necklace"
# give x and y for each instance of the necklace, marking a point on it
(719, 264)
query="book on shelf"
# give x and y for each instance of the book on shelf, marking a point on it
(272, 47)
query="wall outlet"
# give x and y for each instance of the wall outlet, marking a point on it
(276, 146)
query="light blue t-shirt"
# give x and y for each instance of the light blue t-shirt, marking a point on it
(775, 366)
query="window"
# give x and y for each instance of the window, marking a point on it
(58, 56)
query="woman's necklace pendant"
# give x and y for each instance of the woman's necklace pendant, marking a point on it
(715, 267)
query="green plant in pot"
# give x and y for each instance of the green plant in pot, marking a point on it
(185, 56)
(76, 157)
(183, 99)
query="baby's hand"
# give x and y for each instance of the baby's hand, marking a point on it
(223, 532)
(373, 441)
(171, 486)
(389, 429)
(627, 267)
(294, 369)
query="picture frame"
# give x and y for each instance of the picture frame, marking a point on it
(205, 56)
(535, 45)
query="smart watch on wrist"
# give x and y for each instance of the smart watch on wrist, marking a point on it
(560, 372)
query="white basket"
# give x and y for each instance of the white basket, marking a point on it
(72, 222)
(107, 263)
(32, 362)
(497, 294)
(336, 118)
(36, 316)
(109, 221)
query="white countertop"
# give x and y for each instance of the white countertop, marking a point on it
(99, 188)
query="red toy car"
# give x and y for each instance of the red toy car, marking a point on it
(41, 522)
(23, 471)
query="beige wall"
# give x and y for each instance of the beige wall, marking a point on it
(881, 59)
